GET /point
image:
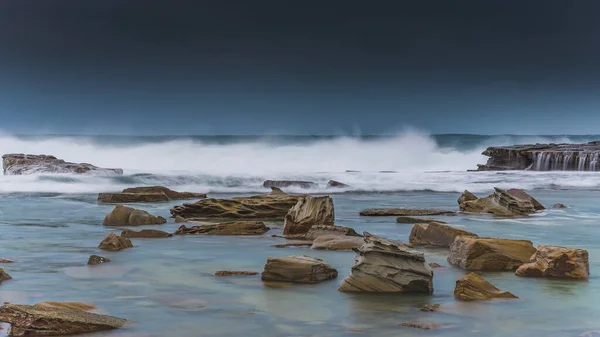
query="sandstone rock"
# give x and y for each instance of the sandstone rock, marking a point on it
(297, 269)
(320, 230)
(337, 242)
(127, 216)
(473, 287)
(383, 265)
(499, 203)
(435, 234)
(288, 183)
(309, 211)
(226, 228)
(272, 206)
(4, 276)
(519, 193)
(557, 262)
(20, 164)
(95, 260)
(558, 206)
(435, 265)
(404, 212)
(430, 308)
(294, 243)
(474, 253)
(426, 325)
(66, 305)
(179, 219)
(145, 234)
(412, 220)
(336, 184)
(115, 243)
(466, 196)
(29, 320)
(228, 273)
(6, 261)
(147, 194)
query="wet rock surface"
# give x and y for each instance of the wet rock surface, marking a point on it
(307, 212)
(557, 262)
(336, 242)
(21, 164)
(426, 325)
(297, 269)
(430, 308)
(473, 287)
(498, 203)
(226, 228)
(145, 234)
(489, 254)
(113, 242)
(231, 273)
(66, 305)
(521, 194)
(4, 276)
(127, 216)
(404, 212)
(147, 194)
(435, 234)
(413, 220)
(320, 230)
(95, 260)
(288, 183)
(558, 206)
(336, 184)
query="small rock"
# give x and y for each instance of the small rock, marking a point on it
(293, 243)
(145, 234)
(430, 308)
(435, 265)
(226, 228)
(4, 276)
(179, 219)
(435, 234)
(404, 212)
(227, 273)
(557, 262)
(6, 261)
(473, 287)
(426, 325)
(413, 220)
(337, 242)
(336, 184)
(115, 243)
(297, 269)
(309, 211)
(558, 206)
(288, 183)
(95, 260)
(127, 216)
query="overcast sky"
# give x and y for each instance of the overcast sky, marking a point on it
(301, 67)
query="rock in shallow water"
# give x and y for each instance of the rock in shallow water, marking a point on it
(309, 211)
(114, 243)
(426, 325)
(288, 183)
(403, 212)
(383, 265)
(145, 234)
(29, 320)
(336, 242)
(226, 228)
(127, 216)
(228, 273)
(499, 203)
(95, 260)
(147, 194)
(430, 308)
(474, 253)
(558, 206)
(297, 269)
(473, 287)
(6, 261)
(336, 184)
(4, 276)
(66, 305)
(435, 234)
(20, 164)
(557, 262)
(411, 220)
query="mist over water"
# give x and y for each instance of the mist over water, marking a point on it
(418, 161)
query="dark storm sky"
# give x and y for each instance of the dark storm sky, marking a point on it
(316, 67)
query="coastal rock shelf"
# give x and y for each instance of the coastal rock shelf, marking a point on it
(19, 164)
(543, 157)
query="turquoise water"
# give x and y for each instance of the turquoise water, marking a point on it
(165, 287)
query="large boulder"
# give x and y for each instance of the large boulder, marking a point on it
(473, 287)
(435, 234)
(127, 216)
(271, 206)
(147, 194)
(31, 320)
(21, 164)
(226, 228)
(519, 193)
(4, 276)
(95, 260)
(383, 265)
(404, 212)
(488, 254)
(288, 183)
(337, 242)
(557, 262)
(297, 269)
(113, 242)
(498, 203)
(309, 211)
(145, 234)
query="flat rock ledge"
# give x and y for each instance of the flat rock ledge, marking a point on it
(145, 234)
(22, 164)
(435, 234)
(147, 194)
(501, 202)
(404, 212)
(230, 273)
(297, 269)
(473, 287)
(288, 183)
(226, 228)
(413, 220)
(489, 254)
(30, 320)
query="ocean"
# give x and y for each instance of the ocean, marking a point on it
(50, 224)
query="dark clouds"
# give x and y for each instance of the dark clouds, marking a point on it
(254, 66)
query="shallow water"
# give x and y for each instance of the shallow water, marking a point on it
(165, 287)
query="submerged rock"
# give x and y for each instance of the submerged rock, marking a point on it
(66, 305)
(297, 269)
(488, 254)
(430, 308)
(383, 265)
(404, 212)
(412, 220)
(336, 184)
(435, 234)
(95, 260)
(6, 261)
(289, 183)
(29, 320)
(337, 242)
(320, 230)
(272, 206)
(499, 203)
(145, 234)
(294, 243)
(4, 276)
(127, 216)
(309, 211)
(435, 265)
(20, 164)
(226, 228)
(558, 206)
(228, 273)
(426, 325)
(557, 262)
(114, 243)
(473, 287)
(147, 194)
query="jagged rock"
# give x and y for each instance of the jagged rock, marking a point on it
(412, 220)
(145, 234)
(558, 206)
(426, 325)
(466, 196)
(6, 261)
(147, 194)
(95, 260)
(294, 243)
(289, 183)
(309, 211)
(127, 216)
(543, 157)
(297, 269)
(557, 262)
(336, 242)
(435, 234)
(228, 273)
(336, 184)
(473, 287)
(404, 212)
(29, 320)
(435, 265)
(115, 243)
(383, 265)
(488, 254)
(499, 203)
(272, 206)
(519, 193)
(66, 305)
(4, 276)
(430, 308)
(226, 228)
(21, 164)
